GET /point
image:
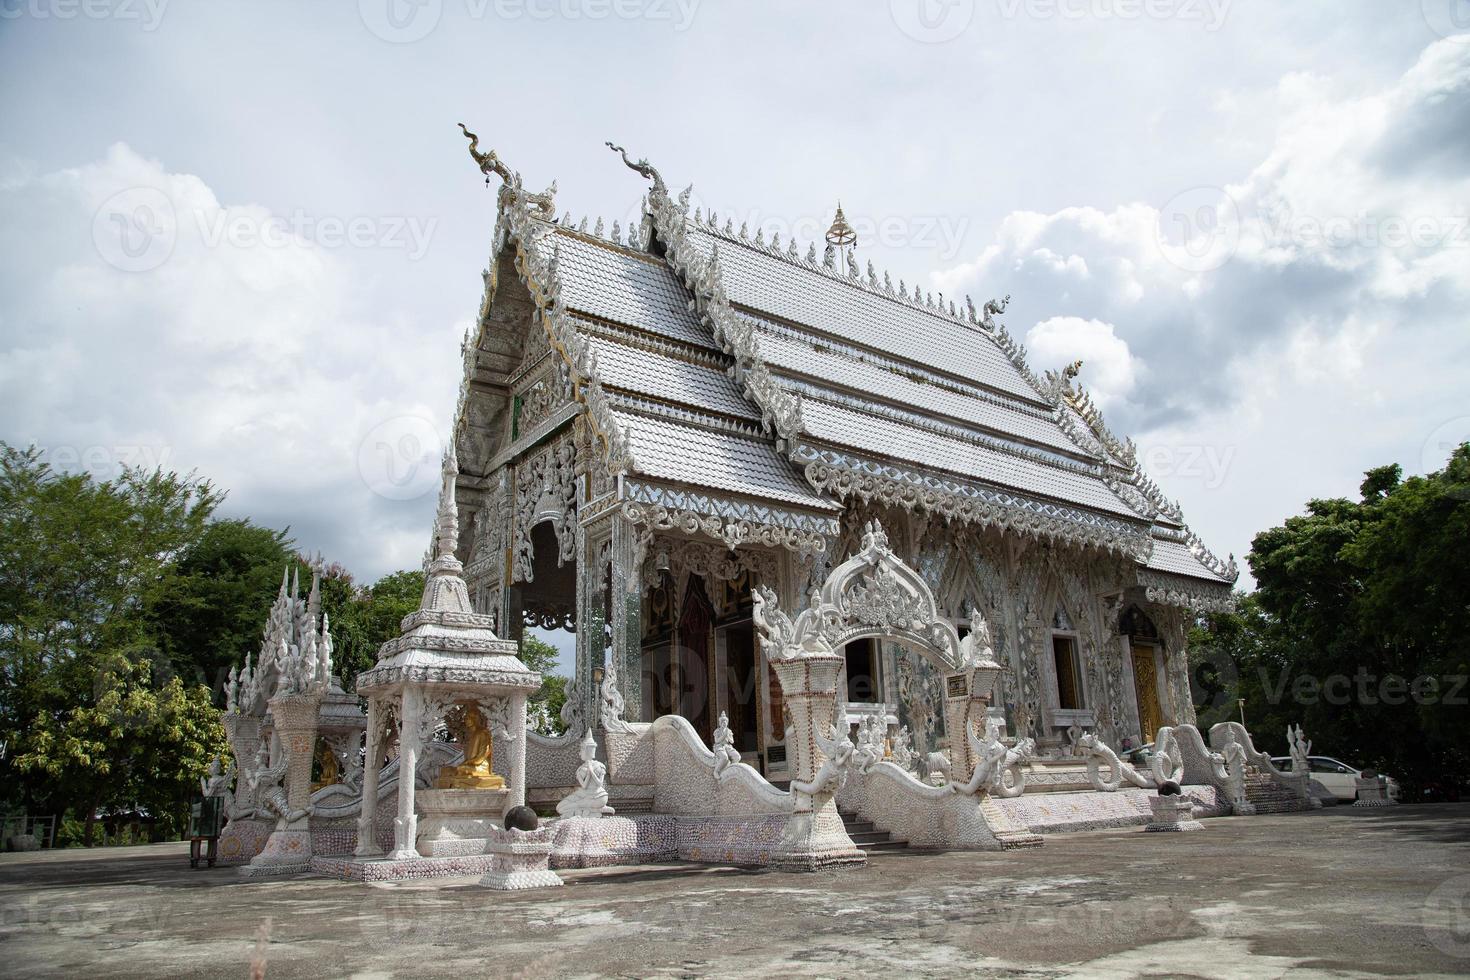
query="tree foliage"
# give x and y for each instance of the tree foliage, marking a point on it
(208, 608)
(541, 657)
(123, 605)
(90, 711)
(1357, 626)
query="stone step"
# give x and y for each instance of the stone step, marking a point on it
(867, 837)
(1269, 796)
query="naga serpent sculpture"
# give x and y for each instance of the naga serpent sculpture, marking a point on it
(1166, 765)
(999, 769)
(838, 750)
(489, 162)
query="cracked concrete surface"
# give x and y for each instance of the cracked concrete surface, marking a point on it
(1340, 892)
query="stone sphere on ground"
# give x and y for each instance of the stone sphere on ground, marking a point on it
(521, 818)
(1169, 788)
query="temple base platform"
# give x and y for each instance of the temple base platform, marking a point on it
(458, 822)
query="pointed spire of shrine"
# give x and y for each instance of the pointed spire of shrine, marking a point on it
(446, 522)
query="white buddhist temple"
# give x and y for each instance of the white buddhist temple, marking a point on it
(843, 572)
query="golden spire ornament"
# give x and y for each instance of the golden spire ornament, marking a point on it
(841, 233)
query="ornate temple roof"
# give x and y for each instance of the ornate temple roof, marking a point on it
(730, 369)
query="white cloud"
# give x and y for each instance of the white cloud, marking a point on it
(1108, 367)
(136, 332)
(1268, 341)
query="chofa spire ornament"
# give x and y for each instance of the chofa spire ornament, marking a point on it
(641, 166)
(489, 162)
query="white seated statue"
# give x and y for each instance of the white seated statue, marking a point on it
(590, 799)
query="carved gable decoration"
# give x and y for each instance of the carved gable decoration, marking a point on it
(545, 489)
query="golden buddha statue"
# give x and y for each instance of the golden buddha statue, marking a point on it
(330, 768)
(475, 771)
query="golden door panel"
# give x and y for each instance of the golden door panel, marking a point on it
(1146, 688)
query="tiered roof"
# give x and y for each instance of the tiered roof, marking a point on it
(726, 372)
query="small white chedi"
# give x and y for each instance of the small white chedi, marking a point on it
(590, 797)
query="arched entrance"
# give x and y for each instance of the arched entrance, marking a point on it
(872, 595)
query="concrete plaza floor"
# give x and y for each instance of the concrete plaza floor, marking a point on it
(1341, 891)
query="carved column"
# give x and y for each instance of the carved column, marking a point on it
(405, 825)
(967, 699)
(516, 751)
(1173, 626)
(296, 721)
(367, 817)
(243, 732)
(629, 547)
(815, 836)
(957, 724)
(591, 614)
(288, 848)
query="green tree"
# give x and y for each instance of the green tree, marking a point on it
(208, 610)
(1356, 628)
(80, 561)
(541, 657)
(140, 738)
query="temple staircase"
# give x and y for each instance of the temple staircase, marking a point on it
(869, 838)
(1269, 796)
(1010, 834)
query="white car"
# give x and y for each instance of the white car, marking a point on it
(1339, 778)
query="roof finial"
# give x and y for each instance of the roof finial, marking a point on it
(1070, 372)
(642, 166)
(841, 233)
(489, 162)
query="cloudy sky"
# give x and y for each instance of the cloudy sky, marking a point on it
(244, 238)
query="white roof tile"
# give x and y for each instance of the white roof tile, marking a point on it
(648, 373)
(793, 292)
(884, 437)
(802, 358)
(718, 460)
(1172, 556)
(607, 283)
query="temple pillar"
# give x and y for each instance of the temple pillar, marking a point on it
(243, 733)
(516, 752)
(367, 817)
(405, 825)
(968, 695)
(592, 547)
(628, 547)
(288, 849)
(815, 836)
(959, 721)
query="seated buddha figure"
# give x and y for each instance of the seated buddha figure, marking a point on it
(475, 771)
